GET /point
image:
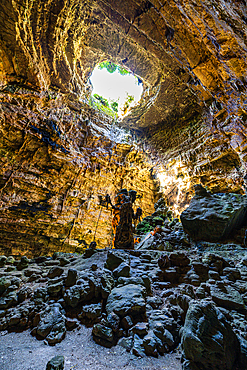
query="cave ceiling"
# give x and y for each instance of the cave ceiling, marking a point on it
(185, 52)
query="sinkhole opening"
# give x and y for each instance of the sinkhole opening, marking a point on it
(115, 90)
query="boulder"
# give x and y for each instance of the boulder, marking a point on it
(23, 294)
(126, 342)
(113, 321)
(127, 300)
(4, 284)
(152, 344)
(8, 300)
(179, 259)
(71, 277)
(3, 260)
(56, 363)
(212, 217)
(114, 259)
(123, 270)
(52, 324)
(10, 260)
(227, 297)
(23, 263)
(138, 349)
(141, 329)
(103, 335)
(208, 341)
(107, 283)
(147, 242)
(55, 271)
(79, 293)
(165, 328)
(90, 312)
(127, 322)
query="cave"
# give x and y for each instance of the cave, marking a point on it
(61, 158)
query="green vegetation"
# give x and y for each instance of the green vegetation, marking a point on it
(127, 103)
(111, 107)
(98, 102)
(143, 228)
(114, 106)
(111, 67)
(148, 224)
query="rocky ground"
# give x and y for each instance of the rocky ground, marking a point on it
(127, 309)
(23, 352)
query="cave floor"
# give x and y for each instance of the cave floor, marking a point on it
(21, 351)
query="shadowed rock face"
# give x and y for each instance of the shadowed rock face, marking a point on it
(191, 57)
(212, 217)
(208, 340)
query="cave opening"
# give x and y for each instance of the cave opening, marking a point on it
(114, 89)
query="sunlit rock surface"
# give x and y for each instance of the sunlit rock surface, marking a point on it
(57, 154)
(56, 159)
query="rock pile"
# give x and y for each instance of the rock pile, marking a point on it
(147, 301)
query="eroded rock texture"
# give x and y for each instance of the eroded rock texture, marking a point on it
(56, 159)
(191, 57)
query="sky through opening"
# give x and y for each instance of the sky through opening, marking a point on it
(116, 87)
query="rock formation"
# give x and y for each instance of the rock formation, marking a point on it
(60, 158)
(55, 150)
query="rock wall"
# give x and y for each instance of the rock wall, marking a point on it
(57, 157)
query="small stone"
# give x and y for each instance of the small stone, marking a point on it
(10, 268)
(213, 275)
(16, 281)
(94, 267)
(54, 289)
(126, 343)
(23, 263)
(244, 261)
(154, 302)
(103, 335)
(200, 292)
(122, 270)
(71, 278)
(56, 363)
(141, 329)
(3, 260)
(113, 321)
(147, 283)
(171, 275)
(23, 294)
(71, 323)
(90, 312)
(64, 261)
(114, 259)
(10, 260)
(127, 322)
(55, 271)
(137, 348)
(164, 262)
(232, 274)
(179, 259)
